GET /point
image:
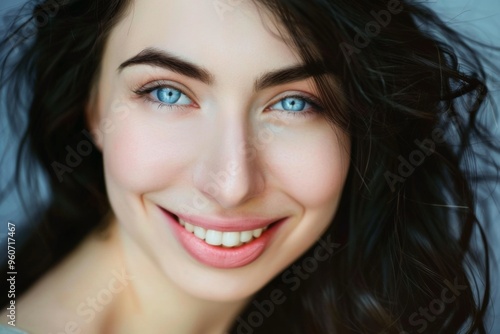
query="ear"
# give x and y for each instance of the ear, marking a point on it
(93, 117)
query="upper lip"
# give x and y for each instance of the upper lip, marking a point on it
(244, 223)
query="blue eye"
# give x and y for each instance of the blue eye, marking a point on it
(169, 95)
(292, 103)
(298, 105)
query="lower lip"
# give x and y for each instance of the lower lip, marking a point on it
(218, 256)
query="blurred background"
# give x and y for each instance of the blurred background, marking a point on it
(479, 19)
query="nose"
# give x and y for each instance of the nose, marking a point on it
(229, 171)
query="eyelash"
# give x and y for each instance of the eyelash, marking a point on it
(315, 105)
(148, 88)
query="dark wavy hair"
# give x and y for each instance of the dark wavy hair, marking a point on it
(405, 234)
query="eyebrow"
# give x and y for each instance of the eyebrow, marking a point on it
(167, 60)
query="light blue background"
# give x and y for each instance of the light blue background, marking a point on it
(479, 19)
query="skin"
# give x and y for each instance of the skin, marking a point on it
(167, 156)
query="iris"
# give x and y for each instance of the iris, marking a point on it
(292, 104)
(168, 95)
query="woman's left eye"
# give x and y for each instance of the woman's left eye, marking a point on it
(169, 96)
(296, 105)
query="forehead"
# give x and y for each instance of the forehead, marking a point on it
(216, 34)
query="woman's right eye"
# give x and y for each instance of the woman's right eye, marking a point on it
(169, 96)
(164, 95)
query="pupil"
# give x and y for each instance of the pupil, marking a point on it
(168, 95)
(293, 104)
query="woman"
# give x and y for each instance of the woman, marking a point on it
(249, 167)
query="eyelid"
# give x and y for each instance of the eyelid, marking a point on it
(315, 102)
(152, 85)
(144, 92)
(309, 98)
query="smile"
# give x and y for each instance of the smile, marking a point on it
(223, 243)
(220, 238)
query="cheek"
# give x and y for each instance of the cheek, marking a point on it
(142, 156)
(313, 167)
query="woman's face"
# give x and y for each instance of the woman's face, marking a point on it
(203, 112)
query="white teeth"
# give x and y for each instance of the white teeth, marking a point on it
(219, 238)
(188, 227)
(200, 232)
(237, 245)
(213, 238)
(230, 239)
(256, 233)
(246, 236)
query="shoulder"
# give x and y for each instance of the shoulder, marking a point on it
(53, 303)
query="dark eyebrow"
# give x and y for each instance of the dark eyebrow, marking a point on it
(160, 58)
(282, 76)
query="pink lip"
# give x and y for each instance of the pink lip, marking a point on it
(218, 256)
(227, 225)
